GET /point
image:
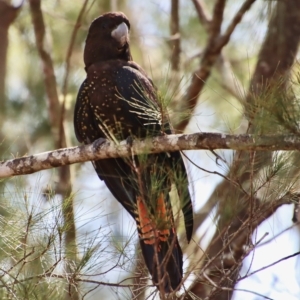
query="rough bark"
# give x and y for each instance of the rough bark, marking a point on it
(101, 149)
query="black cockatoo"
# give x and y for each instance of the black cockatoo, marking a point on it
(118, 101)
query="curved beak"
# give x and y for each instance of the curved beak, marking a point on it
(121, 33)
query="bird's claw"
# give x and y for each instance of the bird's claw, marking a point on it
(99, 142)
(129, 140)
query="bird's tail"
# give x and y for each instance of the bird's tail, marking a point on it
(160, 246)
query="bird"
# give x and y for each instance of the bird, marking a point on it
(118, 101)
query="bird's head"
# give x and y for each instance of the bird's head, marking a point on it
(108, 38)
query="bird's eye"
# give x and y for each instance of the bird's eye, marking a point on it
(104, 26)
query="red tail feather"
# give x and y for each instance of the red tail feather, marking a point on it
(159, 243)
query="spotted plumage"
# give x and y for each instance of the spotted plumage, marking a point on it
(117, 100)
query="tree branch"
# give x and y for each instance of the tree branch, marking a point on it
(48, 68)
(56, 116)
(8, 14)
(214, 46)
(236, 20)
(230, 84)
(175, 35)
(202, 14)
(217, 19)
(101, 149)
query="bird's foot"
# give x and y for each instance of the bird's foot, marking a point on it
(129, 140)
(98, 143)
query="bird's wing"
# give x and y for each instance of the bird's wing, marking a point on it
(124, 88)
(178, 167)
(113, 171)
(80, 120)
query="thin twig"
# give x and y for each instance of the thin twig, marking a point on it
(270, 265)
(214, 264)
(202, 13)
(234, 22)
(50, 274)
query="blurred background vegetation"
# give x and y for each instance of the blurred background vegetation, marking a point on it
(63, 236)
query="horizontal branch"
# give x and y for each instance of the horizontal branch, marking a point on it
(101, 149)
